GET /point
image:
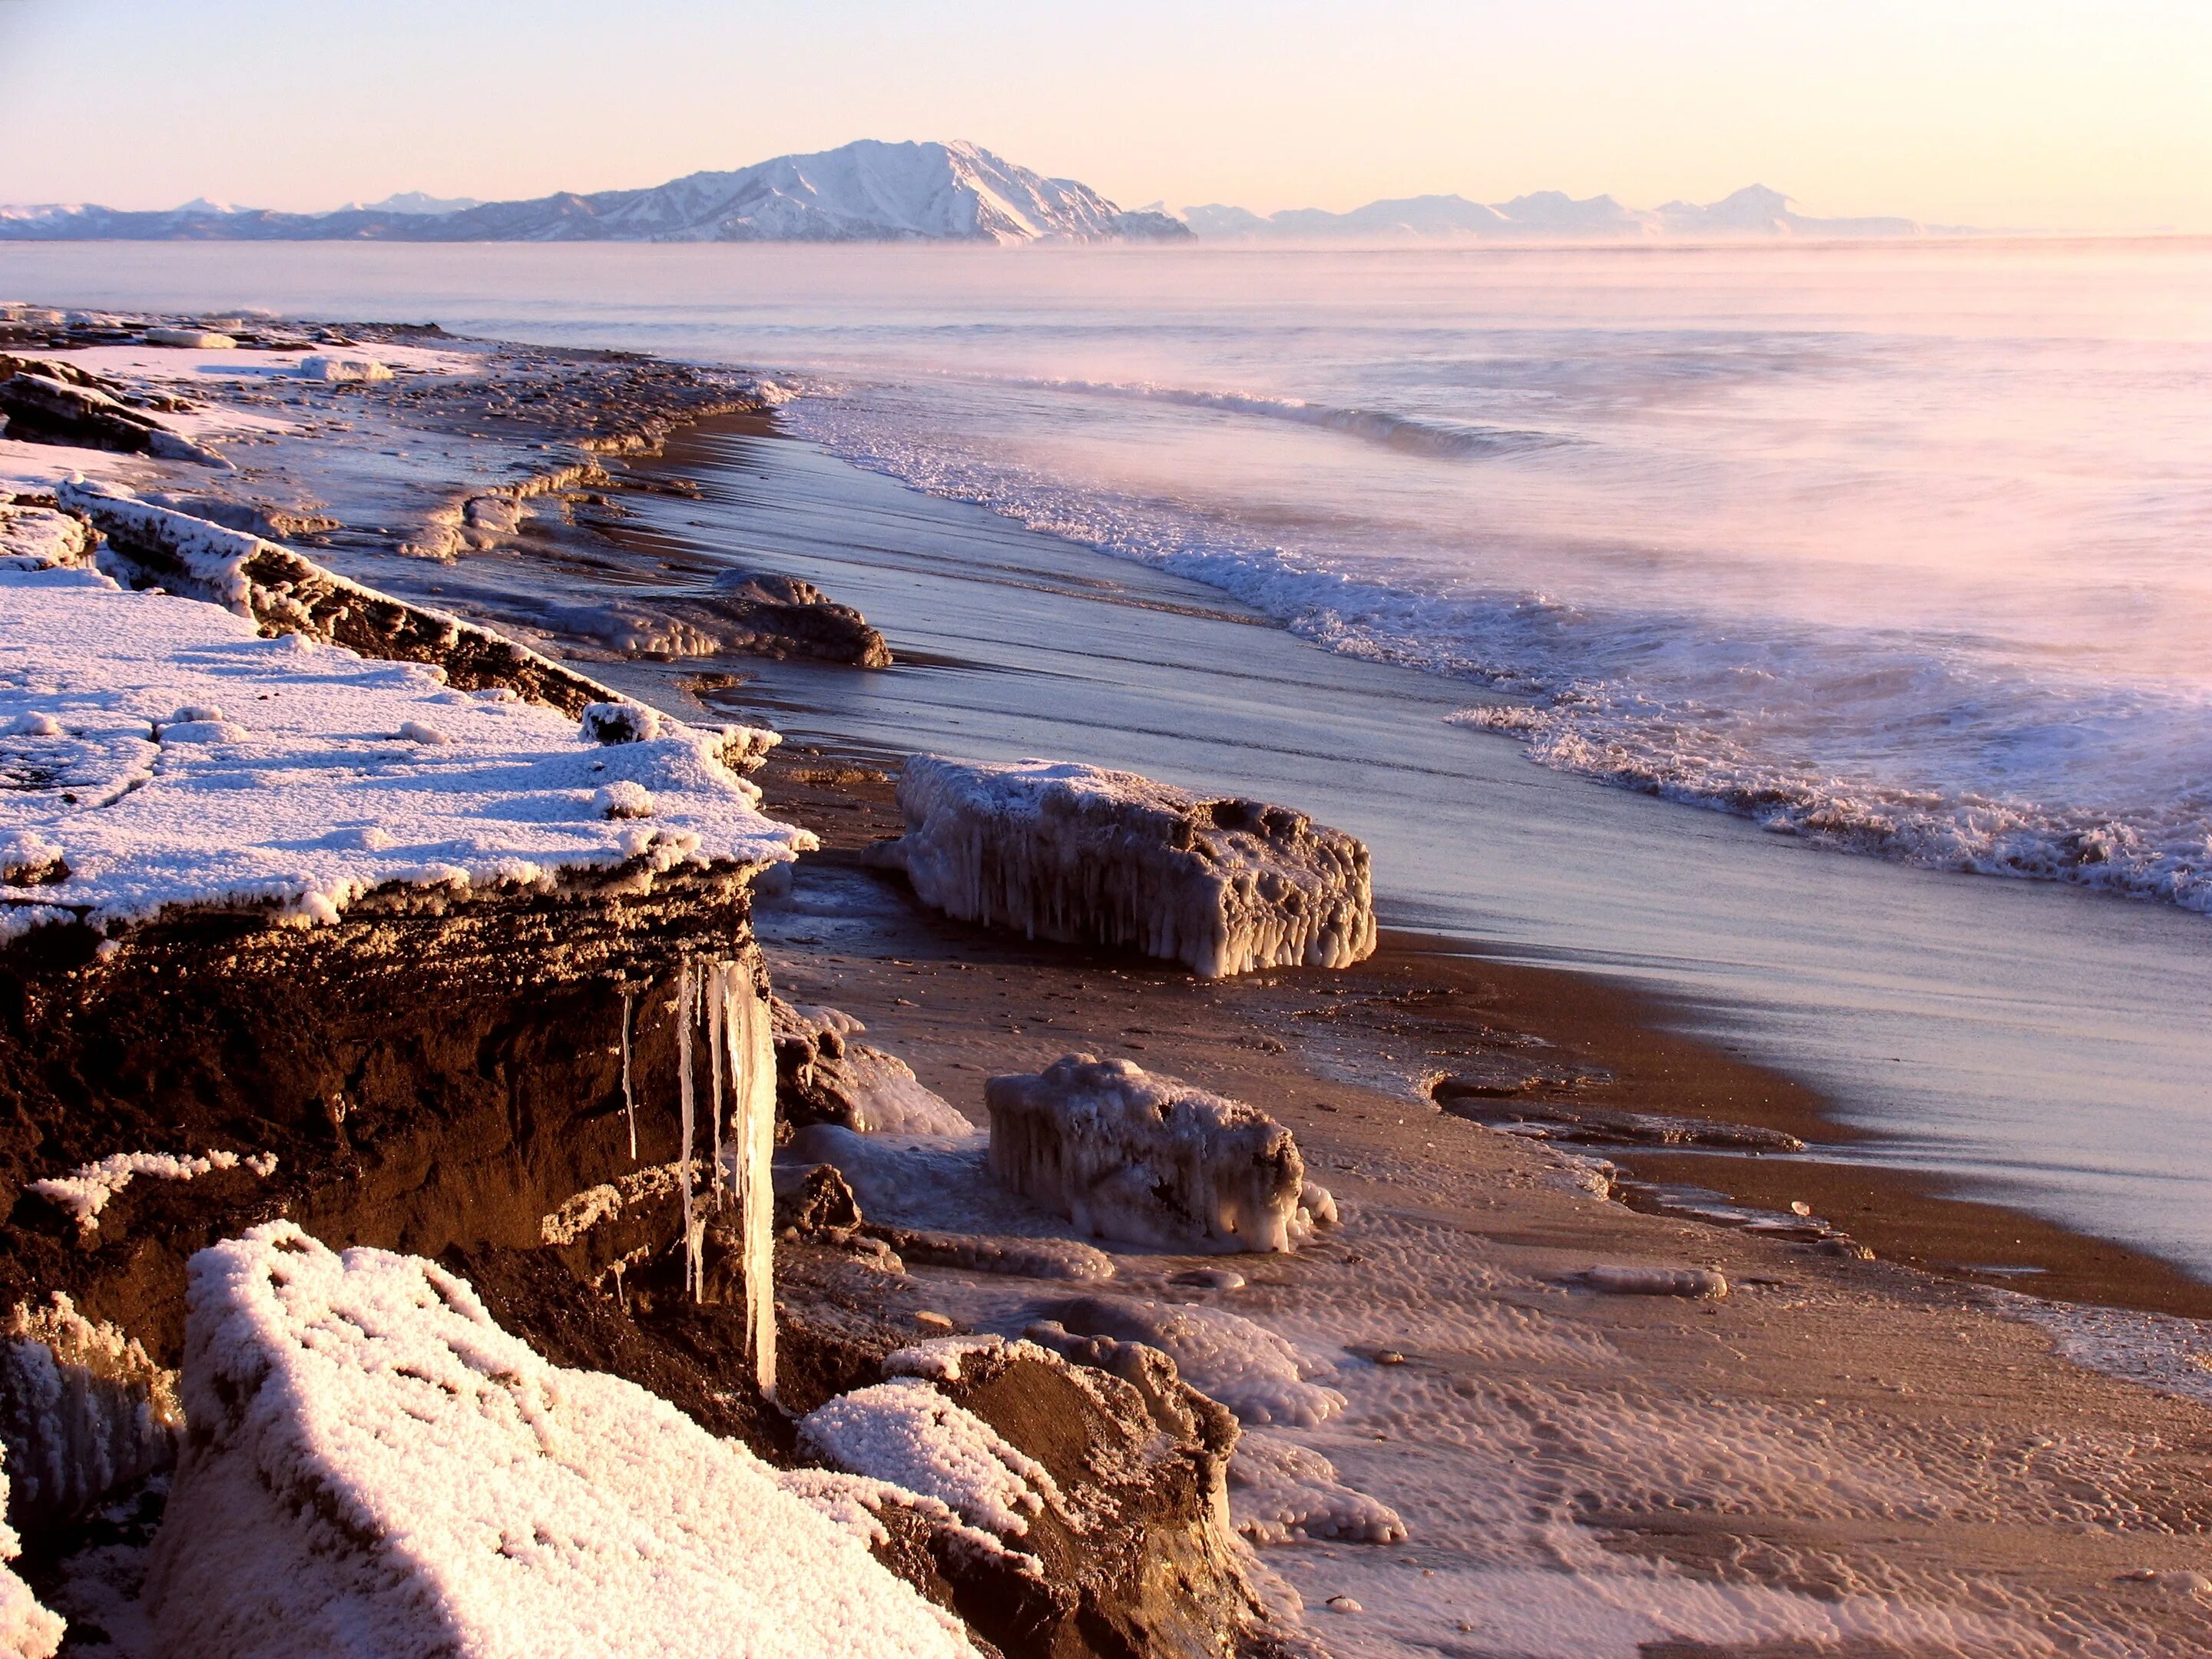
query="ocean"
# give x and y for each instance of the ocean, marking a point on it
(1899, 552)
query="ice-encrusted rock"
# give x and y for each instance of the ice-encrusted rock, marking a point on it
(27, 1631)
(83, 1411)
(374, 1467)
(1250, 1368)
(1149, 1159)
(1084, 856)
(35, 537)
(1280, 1490)
(42, 408)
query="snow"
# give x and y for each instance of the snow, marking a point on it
(1280, 1490)
(378, 1468)
(301, 796)
(906, 1432)
(85, 1192)
(41, 539)
(1257, 1374)
(1148, 1159)
(1082, 855)
(27, 1631)
(889, 1099)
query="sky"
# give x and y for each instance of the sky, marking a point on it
(2028, 114)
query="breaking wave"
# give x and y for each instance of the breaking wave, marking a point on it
(1927, 748)
(1411, 434)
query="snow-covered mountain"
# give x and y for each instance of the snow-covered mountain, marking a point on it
(1754, 210)
(415, 201)
(867, 191)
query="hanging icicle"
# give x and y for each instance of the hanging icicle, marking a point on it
(686, 1017)
(753, 1080)
(630, 1101)
(718, 1008)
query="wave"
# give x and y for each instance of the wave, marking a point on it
(1411, 434)
(1915, 749)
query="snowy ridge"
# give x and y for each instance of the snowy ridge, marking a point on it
(408, 1477)
(168, 755)
(867, 191)
(1754, 210)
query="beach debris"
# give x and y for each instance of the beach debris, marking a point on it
(2181, 1581)
(1695, 1283)
(930, 1320)
(1496, 1107)
(1343, 1604)
(1150, 1159)
(1279, 1491)
(1719, 1210)
(1209, 1279)
(403, 1476)
(1388, 1356)
(1250, 1368)
(1081, 855)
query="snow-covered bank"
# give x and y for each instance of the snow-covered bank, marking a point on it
(377, 1467)
(166, 754)
(1080, 855)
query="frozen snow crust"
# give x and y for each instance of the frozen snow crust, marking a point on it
(1082, 855)
(162, 753)
(405, 1478)
(1148, 1159)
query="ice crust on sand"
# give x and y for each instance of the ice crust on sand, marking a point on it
(1280, 1490)
(1082, 855)
(376, 1467)
(168, 755)
(906, 1432)
(1150, 1159)
(1257, 1374)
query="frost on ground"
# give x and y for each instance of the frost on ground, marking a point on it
(906, 1432)
(85, 1190)
(1258, 1375)
(404, 1477)
(1128, 1155)
(161, 753)
(1082, 855)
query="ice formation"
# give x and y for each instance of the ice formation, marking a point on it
(297, 796)
(85, 1191)
(1152, 1160)
(1280, 1490)
(403, 1476)
(27, 1631)
(1247, 1368)
(906, 1432)
(1694, 1282)
(83, 1411)
(741, 1070)
(1081, 855)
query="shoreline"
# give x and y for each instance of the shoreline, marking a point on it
(1915, 1218)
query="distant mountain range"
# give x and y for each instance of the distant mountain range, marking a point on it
(871, 191)
(864, 192)
(1754, 210)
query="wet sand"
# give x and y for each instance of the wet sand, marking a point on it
(1840, 1456)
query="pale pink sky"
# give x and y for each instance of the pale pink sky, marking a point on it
(2037, 114)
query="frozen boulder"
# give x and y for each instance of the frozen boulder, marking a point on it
(822, 1076)
(1084, 856)
(1151, 1160)
(374, 1467)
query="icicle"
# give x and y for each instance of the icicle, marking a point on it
(686, 1013)
(718, 1007)
(629, 1102)
(752, 1079)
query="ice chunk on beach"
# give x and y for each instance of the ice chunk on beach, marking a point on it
(1696, 1283)
(1149, 1160)
(1082, 855)
(341, 369)
(375, 1467)
(1258, 1375)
